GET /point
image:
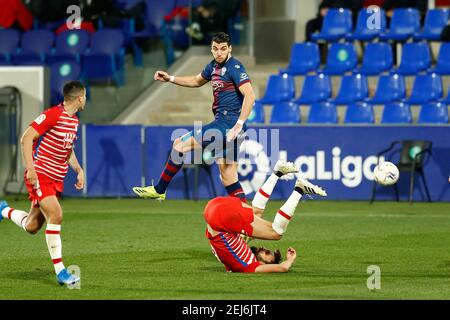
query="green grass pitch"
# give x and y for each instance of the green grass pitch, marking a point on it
(139, 249)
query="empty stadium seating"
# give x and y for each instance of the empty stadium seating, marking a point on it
(353, 88)
(304, 58)
(323, 112)
(341, 58)
(366, 31)
(435, 21)
(279, 88)
(359, 113)
(285, 112)
(416, 57)
(433, 113)
(315, 88)
(426, 88)
(390, 88)
(377, 58)
(35, 46)
(105, 58)
(9, 41)
(405, 22)
(70, 45)
(336, 25)
(396, 113)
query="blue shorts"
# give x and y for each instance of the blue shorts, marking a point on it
(212, 137)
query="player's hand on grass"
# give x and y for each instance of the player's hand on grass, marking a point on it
(31, 176)
(291, 254)
(80, 180)
(234, 132)
(161, 76)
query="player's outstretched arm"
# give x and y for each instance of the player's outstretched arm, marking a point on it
(187, 81)
(247, 106)
(284, 266)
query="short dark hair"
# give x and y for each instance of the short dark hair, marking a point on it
(256, 251)
(72, 90)
(221, 37)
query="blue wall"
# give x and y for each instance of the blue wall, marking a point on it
(339, 158)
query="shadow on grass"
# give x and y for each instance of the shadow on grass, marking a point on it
(41, 276)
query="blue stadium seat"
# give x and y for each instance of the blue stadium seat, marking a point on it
(426, 88)
(377, 58)
(155, 10)
(315, 88)
(416, 57)
(405, 22)
(35, 46)
(9, 41)
(359, 112)
(434, 112)
(127, 4)
(257, 114)
(70, 45)
(353, 88)
(443, 60)
(390, 88)
(336, 24)
(396, 112)
(341, 58)
(279, 88)
(285, 112)
(363, 32)
(105, 59)
(323, 112)
(60, 73)
(435, 21)
(305, 57)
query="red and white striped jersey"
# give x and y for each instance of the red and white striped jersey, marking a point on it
(233, 252)
(52, 150)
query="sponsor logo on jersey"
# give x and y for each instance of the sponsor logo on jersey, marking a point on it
(40, 119)
(243, 76)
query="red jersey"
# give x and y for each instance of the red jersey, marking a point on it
(233, 252)
(58, 132)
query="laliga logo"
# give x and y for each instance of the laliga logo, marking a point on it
(349, 170)
(254, 150)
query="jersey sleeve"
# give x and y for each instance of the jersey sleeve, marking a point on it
(46, 120)
(207, 71)
(251, 267)
(239, 75)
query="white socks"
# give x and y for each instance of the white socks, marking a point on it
(263, 194)
(285, 214)
(53, 237)
(16, 216)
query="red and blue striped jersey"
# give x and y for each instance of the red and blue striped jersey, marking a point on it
(225, 80)
(233, 252)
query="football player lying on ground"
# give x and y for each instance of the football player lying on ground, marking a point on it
(228, 219)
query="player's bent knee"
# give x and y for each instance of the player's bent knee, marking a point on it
(277, 236)
(33, 228)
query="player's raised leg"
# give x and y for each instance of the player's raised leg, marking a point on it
(17, 216)
(53, 213)
(263, 194)
(31, 222)
(230, 180)
(174, 163)
(263, 229)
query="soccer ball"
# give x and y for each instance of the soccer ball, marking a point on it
(386, 173)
